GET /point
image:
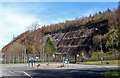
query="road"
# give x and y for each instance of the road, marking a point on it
(83, 71)
(14, 70)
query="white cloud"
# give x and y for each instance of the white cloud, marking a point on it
(15, 19)
(13, 23)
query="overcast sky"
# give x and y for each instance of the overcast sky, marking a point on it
(17, 16)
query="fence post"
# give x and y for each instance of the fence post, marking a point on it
(18, 58)
(98, 56)
(13, 58)
(106, 56)
(4, 61)
(9, 58)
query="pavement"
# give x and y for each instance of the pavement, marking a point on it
(69, 71)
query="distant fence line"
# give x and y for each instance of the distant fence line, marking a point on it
(23, 58)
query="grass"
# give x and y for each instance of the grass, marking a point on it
(106, 56)
(112, 74)
(111, 62)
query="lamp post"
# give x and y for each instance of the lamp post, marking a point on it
(100, 40)
(25, 52)
(25, 55)
(78, 57)
(100, 44)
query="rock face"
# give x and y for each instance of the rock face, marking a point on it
(80, 40)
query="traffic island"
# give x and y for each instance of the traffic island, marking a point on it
(52, 66)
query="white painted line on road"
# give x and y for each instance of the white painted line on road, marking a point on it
(10, 71)
(27, 74)
(101, 73)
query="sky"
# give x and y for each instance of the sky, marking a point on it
(60, 0)
(17, 16)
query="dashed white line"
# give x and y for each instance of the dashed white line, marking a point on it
(27, 74)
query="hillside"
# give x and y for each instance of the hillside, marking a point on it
(81, 35)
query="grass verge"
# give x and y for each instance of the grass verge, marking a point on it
(106, 62)
(112, 74)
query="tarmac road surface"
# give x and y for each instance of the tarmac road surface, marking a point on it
(78, 70)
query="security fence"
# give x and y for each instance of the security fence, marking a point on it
(24, 58)
(104, 56)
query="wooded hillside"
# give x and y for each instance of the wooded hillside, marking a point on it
(52, 37)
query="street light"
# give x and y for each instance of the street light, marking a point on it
(78, 57)
(100, 44)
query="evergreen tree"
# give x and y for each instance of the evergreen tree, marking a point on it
(51, 44)
(118, 38)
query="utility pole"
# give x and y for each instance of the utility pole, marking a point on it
(25, 48)
(43, 45)
(43, 51)
(101, 50)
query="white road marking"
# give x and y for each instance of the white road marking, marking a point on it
(27, 74)
(101, 73)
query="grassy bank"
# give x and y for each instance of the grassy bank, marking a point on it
(106, 62)
(112, 74)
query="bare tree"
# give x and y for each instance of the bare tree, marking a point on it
(33, 27)
(33, 31)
